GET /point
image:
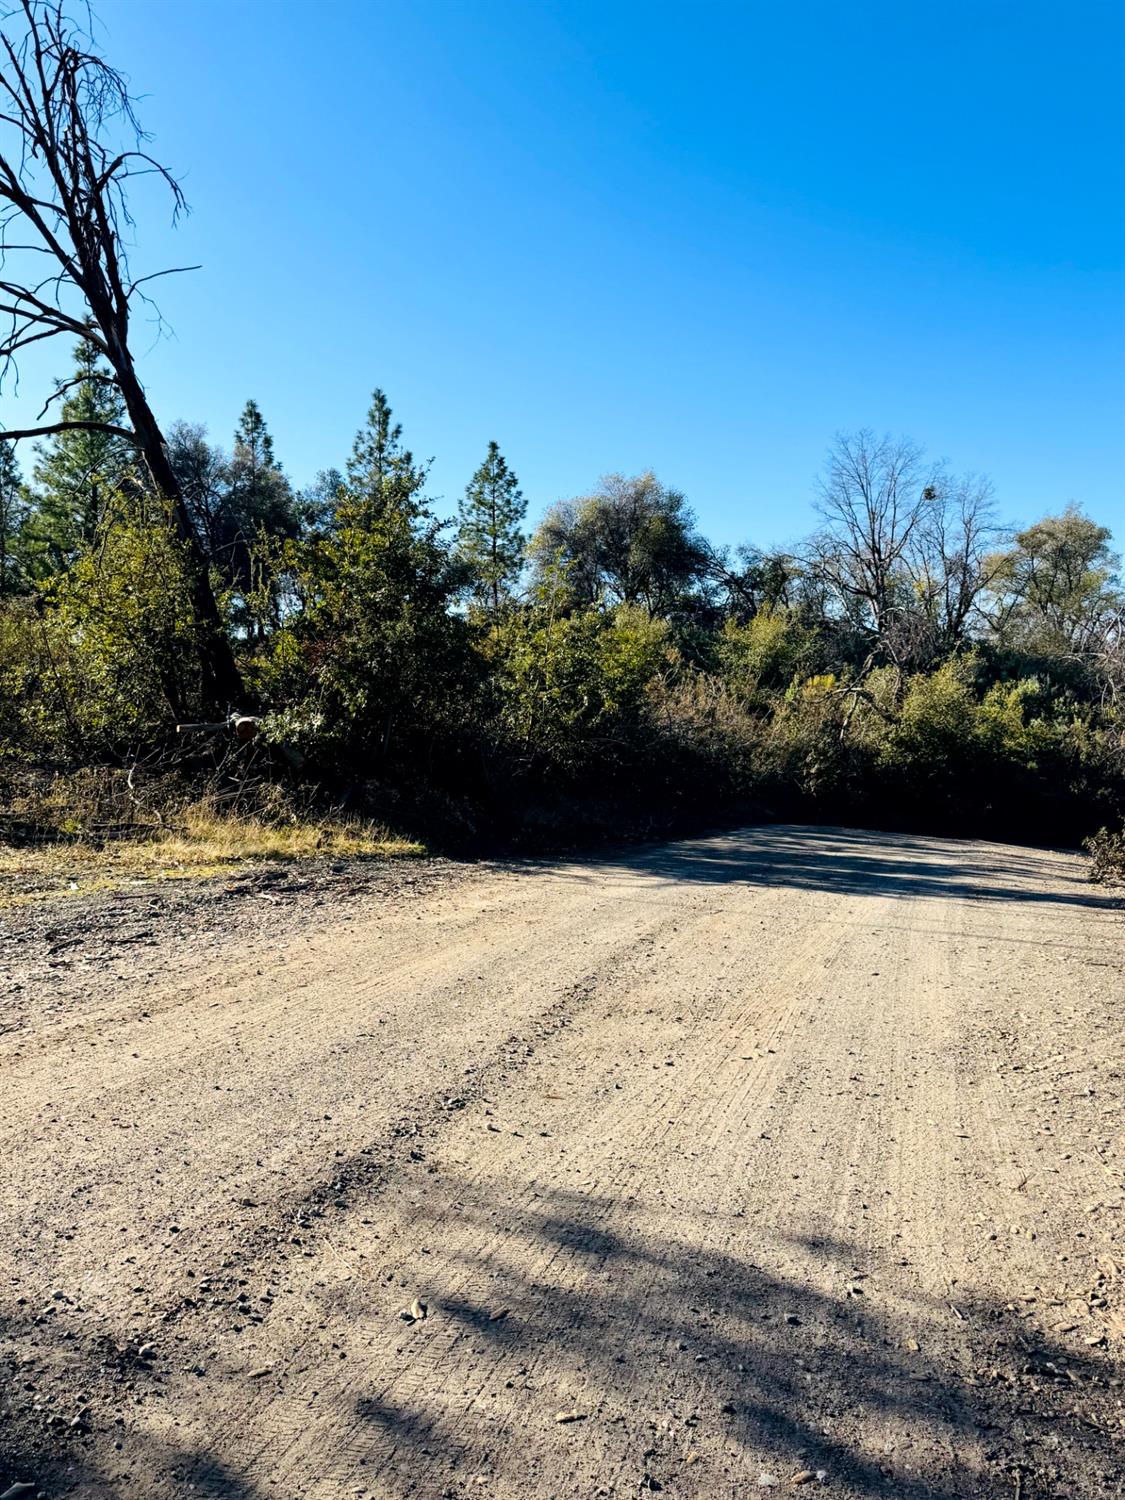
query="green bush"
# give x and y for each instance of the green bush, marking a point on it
(570, 689)
(373, 668)
(766, 653)
(100, 660)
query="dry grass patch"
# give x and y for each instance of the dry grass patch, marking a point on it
(1107, 857)
(199, 840)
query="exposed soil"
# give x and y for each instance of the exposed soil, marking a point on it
(792, 1156)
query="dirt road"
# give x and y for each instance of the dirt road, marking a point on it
(789, 1156)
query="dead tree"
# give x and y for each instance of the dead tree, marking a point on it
(872, 500)
(71, 143)
(953, 555)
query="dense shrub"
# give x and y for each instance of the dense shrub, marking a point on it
(764, 654)
(570, 689)
(101, 659)
(643, 676)
(372, 669)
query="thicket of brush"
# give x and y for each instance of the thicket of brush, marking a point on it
(912, 664)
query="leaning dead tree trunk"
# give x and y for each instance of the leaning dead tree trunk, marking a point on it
(70, 144)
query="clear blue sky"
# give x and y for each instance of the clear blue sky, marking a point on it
(614, 236)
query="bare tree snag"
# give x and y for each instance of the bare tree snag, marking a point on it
(63, 180)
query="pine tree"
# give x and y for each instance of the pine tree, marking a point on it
(489, 538)
(252, 436)
(78, 472)
(260, 499)
(259, 510)
(13, 515)
(382, 477)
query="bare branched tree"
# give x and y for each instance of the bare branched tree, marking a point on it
(952, 555)
(1106, 655)
(750, 579)
(71, 145)
(873, 500)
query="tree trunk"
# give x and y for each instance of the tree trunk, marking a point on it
(222, 683)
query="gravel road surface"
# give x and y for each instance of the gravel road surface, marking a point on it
(790, 1157)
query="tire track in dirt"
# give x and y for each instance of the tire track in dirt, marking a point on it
(693, 1141)
(548, 1267)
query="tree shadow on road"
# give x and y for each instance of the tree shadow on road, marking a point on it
(703, 1370)
(851, 862)
(58, 1375)
(699, 1362)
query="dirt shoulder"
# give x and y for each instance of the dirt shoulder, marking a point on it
(789, 1156)
(59, 954)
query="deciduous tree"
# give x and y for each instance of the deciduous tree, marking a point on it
(633, 541)
(873, 500)
(1058, 586)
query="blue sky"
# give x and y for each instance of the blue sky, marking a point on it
(614, 236)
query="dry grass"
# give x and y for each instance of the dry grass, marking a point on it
(1107, 857)
(200, 841)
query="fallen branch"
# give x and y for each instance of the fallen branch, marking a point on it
(244, 726)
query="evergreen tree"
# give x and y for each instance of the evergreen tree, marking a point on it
(260, 499)
(253, 437)
(13, 515)
(79, 471)
(259, 511)
(382, 477)
(241, 506)
(489, 538)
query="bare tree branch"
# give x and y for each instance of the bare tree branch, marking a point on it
(85, 378)
(170, 271)
(15, 435)
(64, 168)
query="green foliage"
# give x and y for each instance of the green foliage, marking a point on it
(124, 611)
(382, 477)
(965, 691)
(241, 507)
(259, 499)
(766, 652)
(489, 538)
(101, 659)
(937, 727)
(371, 667)
(78, 473)
(29, 730)
(632, 542)
(962, 751)
(14, 511)
(1054, 589)
(372, 664)
(571, 688)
